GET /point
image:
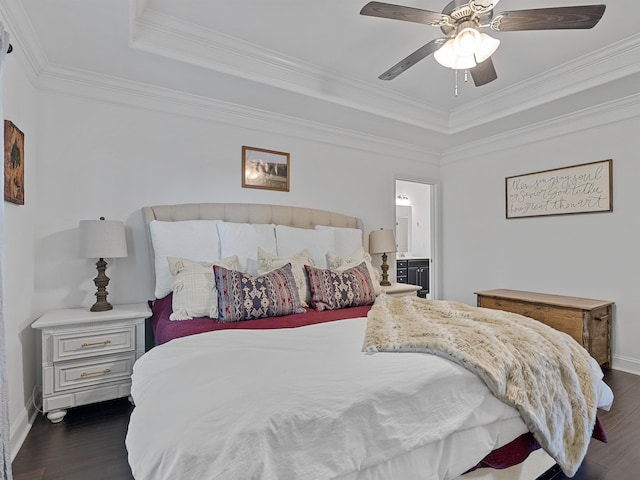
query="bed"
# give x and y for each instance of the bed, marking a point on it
(294, 396)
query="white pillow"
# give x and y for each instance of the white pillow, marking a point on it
(336, 262)
(243, 240)
(291, 240)
(347, 240)
(194, 288)
(185, 239)
(268, 262)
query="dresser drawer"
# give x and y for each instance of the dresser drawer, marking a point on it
(69, 375)
(70, 345)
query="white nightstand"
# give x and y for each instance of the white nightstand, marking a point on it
(401, 289)
(88, 357)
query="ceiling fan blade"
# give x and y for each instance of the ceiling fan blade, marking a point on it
(412, 59)
(483, 73)
(579, 17)
(408, 14)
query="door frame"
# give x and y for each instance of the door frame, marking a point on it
(435, 271)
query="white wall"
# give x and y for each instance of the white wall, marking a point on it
(108, 160)
(103, 152)
(586, 255)
(20, 104)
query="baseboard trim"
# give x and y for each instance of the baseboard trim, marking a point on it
(625, 364)
(20, 429)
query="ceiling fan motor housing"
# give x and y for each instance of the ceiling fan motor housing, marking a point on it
(464, 17)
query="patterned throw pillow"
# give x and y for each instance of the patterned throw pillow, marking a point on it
(244, 297)
(336, 262)
(331, 289)
(268, 262)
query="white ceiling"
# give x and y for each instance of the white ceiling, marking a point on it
(319, 61)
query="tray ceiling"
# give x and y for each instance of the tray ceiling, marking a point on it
(321, 60)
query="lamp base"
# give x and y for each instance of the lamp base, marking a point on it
(101, 282)
(385, 269)
(101, 307)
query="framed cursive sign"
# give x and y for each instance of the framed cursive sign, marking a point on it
(583, 188)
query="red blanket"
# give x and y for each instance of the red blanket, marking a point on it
(165, 329)
(519, 449)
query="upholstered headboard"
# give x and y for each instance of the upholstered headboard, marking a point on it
(251, 213)
(298, 217)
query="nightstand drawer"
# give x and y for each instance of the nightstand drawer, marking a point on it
(70, 345)
(71, 375)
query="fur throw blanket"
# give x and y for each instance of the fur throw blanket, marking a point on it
(543, 373)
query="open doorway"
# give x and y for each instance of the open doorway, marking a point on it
(414, 235)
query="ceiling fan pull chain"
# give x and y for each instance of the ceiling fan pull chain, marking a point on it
(455, 90)
(466, 76)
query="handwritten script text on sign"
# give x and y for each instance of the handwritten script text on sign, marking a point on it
(583, 188)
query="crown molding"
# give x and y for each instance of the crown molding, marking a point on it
(599, 67)
(27, 47)
(186, 42)
(605, 114)
(82, 84)
(59, 79)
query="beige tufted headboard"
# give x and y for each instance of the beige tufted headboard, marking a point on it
(248, 213)
(251, 213)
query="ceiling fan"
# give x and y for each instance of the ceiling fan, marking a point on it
(463, 47)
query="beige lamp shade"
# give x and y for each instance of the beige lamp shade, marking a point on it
(102, 239)
(382, 241)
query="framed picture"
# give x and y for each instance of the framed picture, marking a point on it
(13, 163)
(265, 169)
(583, 188)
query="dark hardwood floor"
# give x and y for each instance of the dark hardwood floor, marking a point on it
(89, 443)
(619, 459)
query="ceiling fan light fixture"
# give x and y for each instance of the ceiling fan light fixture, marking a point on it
(467, 41)
(466, 50)
(487, 47)
(447, 56)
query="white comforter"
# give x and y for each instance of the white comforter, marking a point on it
(302, 403)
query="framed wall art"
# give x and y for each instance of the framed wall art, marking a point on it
(266, 169)
(583, 188)
(13, 163)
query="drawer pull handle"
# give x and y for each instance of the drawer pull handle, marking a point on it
(91, 374)
(95, 344)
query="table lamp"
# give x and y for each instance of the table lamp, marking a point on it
(382, 241)
(102, 239)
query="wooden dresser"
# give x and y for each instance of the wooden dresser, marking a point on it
(588, 321)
